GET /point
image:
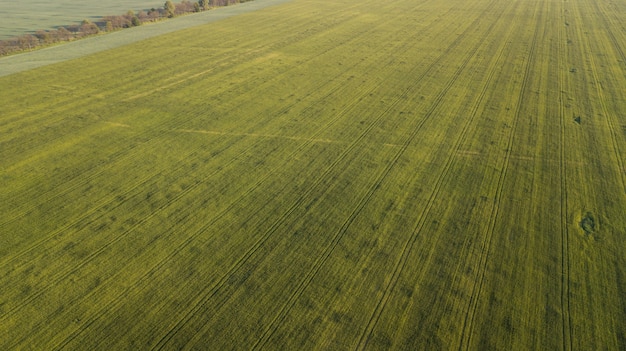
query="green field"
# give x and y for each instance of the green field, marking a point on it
(27, 16)
(335, 175)
(95, 44)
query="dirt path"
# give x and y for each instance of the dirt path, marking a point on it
(76, 49)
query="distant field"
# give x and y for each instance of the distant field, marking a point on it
(409, 175)
(91, 45)
(27, 16)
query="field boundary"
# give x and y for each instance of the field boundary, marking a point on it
(92, 45)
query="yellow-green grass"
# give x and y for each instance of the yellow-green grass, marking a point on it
(90, 45)
(324, 175)
(21, 17)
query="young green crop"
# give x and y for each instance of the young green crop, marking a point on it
(345, 175)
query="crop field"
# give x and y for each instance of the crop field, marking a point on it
(95, 44)
(336, 175)
(27, 16)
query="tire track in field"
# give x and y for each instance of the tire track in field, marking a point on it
(77, 49)
(85, 176)
(257, 244)
(255, 54)
(98, 206)
(94, 209)
(406, 249)
(609, 26)
(111, 242)
(164, 127)
(114, 156)
(566, 316)
(615, 131)
(264, 136)
(18, 120)
(59, 276)
(189, 189)
(586, 48)
(225, 62)
(469, 321)
(145, 278)
(354, 103)
(80, 174)
(321, 259)
(319, 262)
(474, 111)
(62, 275)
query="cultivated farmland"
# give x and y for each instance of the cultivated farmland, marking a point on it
(20, 17)
(324, 175)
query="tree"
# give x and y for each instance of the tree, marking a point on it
(186, 6)
(133, 20)
(170, 9)
(204, 4)
(63, 34)
(154, 14)
(143, 16)
(5, 47)
(27, 41)
(43, 36)
(87, 27)
(117, 22)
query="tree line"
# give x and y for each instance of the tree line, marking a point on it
(27, 42)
